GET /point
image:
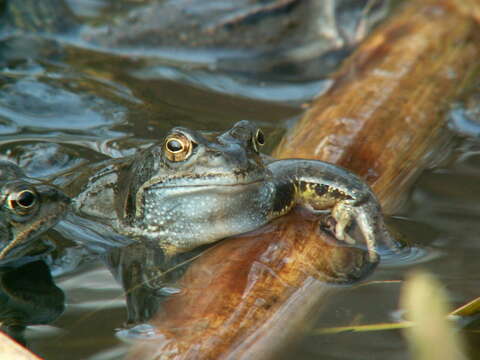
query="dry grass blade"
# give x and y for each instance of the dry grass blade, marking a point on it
(469, 309)
(433, 336)
(363, 328)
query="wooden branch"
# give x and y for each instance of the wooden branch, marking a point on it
(249, 296)
(11, 350)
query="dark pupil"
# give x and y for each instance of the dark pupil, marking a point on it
(174, 146)
(26, 199)
(260, 138)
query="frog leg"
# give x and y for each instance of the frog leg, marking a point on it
(345, 209)
(323, 186)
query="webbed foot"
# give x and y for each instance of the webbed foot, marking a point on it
(345, 215)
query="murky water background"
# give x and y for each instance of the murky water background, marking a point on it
(76, 103)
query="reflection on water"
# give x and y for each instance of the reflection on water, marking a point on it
(95, 307)
(408, 255)
(294, 92)
(287, 44)
(148, 277)
(31, 104)
(28, 296)
(415, 237)
(63, 104)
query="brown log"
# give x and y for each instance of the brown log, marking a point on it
(250, 281)
(249, 296)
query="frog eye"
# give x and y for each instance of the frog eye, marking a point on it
(22, 201)
(260, 137)
(258, 140)
(178, 147)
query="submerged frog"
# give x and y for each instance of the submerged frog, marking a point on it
(28, 208)
(196, 187)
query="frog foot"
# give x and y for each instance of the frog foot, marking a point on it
(345, 214)
(344, 218)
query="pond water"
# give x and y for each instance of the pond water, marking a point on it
(64, 102)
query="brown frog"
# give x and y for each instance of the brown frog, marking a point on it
(196, 187)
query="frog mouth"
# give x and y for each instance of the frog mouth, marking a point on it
(18, 247)
(201, 185)
(11, 253)
(195, 181)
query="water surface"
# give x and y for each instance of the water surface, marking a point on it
(83, 104)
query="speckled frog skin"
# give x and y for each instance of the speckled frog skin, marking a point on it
(27, 209)
(197, 187)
